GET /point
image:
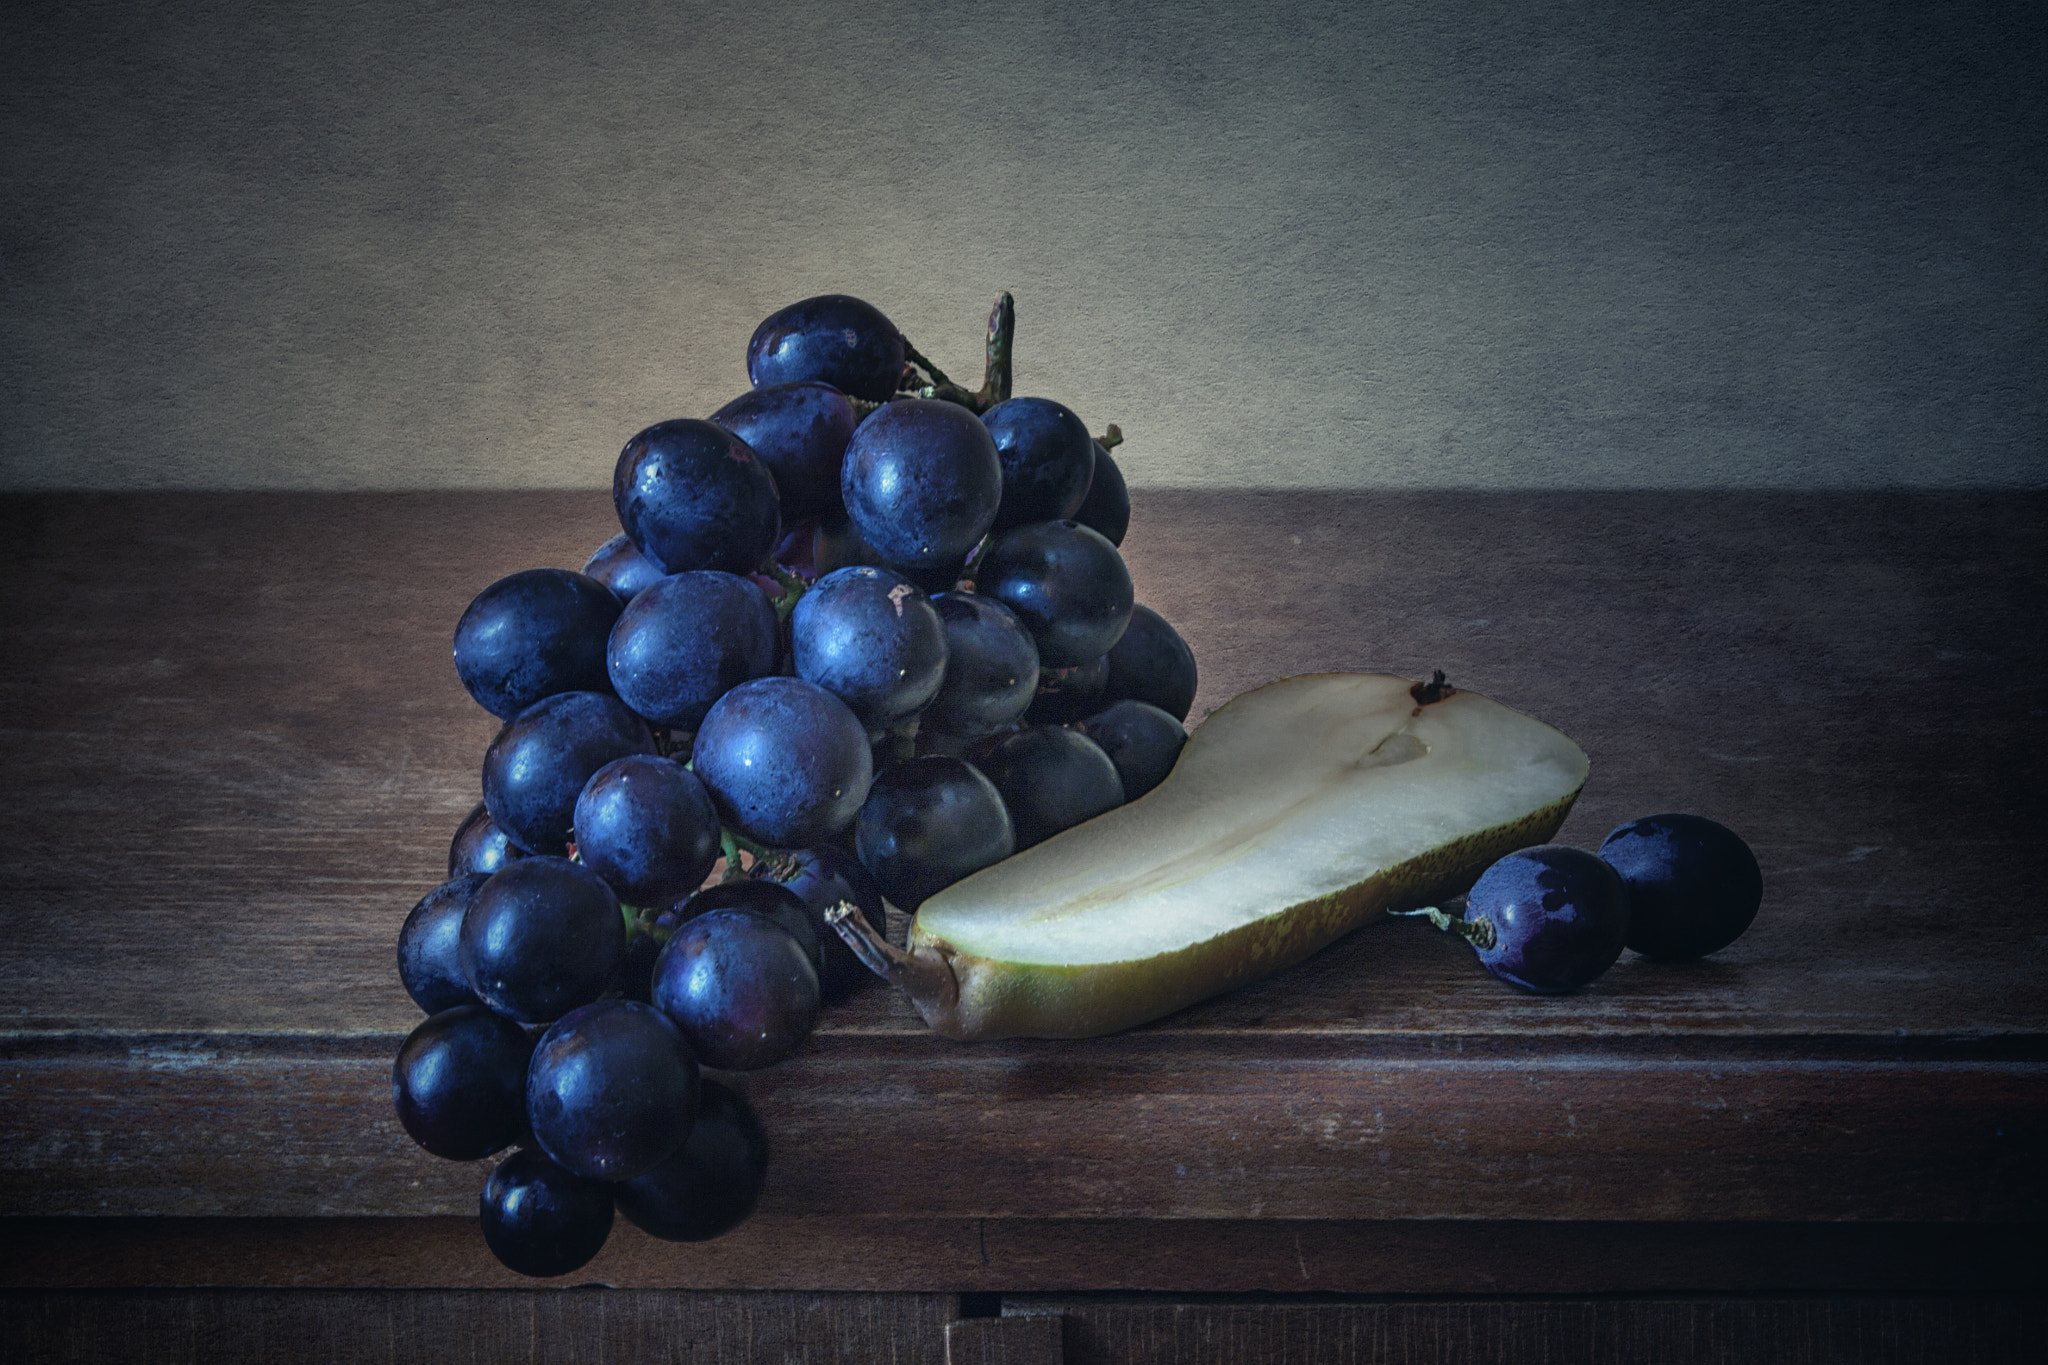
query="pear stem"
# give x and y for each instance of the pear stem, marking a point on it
(922, 975)
(1477, 932)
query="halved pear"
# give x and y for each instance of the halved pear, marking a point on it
(1296, 811)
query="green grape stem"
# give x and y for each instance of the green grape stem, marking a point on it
(1478, 932)
(793, 588)
(1111, 439)
(733, 845)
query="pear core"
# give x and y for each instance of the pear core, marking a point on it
(1295, 812)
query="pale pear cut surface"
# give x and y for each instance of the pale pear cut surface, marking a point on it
(1295, 812)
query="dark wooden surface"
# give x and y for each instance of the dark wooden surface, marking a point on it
(235, 751)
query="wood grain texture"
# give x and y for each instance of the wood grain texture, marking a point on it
(235, 751)
(994, 1256)
(1004, 1341)
(622, 1327)
(1837, 1331)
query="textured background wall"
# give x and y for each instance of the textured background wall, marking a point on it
(1403, 243)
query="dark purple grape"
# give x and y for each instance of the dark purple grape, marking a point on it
(533, 634)
(1051, 778)
(769, 899)
(740, 986)
(712, 1183)
(1143, 741)
(1151, 663)
(929, 822)
(1693, 884)
(787, 763)
(612, 1089)
(1107, 508)
(922, 483)
(647, 826)
(459, 1083)
(694, 496)
(541, 1220)
(536, 767)
(991, 666)
(821, 877)
(1067, 694)
(869, 637)
(1048, 458)
(619, 565)
(836, 338)
(687, 640)
(800, 430)
(479, 845)
(542, 937)
(1067, 585)
(430, 946)
(1558, 914)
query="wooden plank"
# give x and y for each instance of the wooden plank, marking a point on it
(620, 1327)
(255, 692)
(998, 1256)
(234, 750)
(1141, 1127)
(1004, 1341)
(1838, 1331)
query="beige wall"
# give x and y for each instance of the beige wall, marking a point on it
(1397, 244)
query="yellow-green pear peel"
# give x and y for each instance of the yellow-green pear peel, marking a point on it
(1296, 812)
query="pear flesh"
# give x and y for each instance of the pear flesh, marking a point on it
(1295, 812)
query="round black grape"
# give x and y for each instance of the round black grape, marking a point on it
(922, 483)
(836, 338)
(740, 986)
(821, 877)
(787, 763)
(536, 767)
(769, 899)
(1051, 778)
(430, 946)
(612, 1089)
(991, 666)
(532, 634)
(712, 1183)
(1048, 458)
(687, 640)
(479, 845)
(929, 822)
(1067, 585)
(1067, 694)
(541, 937)
(1693, 884)
(459, 1083)
(800, 430)
(541, 1220)
(1151, 663)
(647, 826)
(1143, 741)
(1559, 916)
(619, 565)
(694, 496)
(870, 638)
(1107, 508)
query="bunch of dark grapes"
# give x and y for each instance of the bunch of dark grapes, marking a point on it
(863, 632)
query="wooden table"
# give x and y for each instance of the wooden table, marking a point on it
(236, 749)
